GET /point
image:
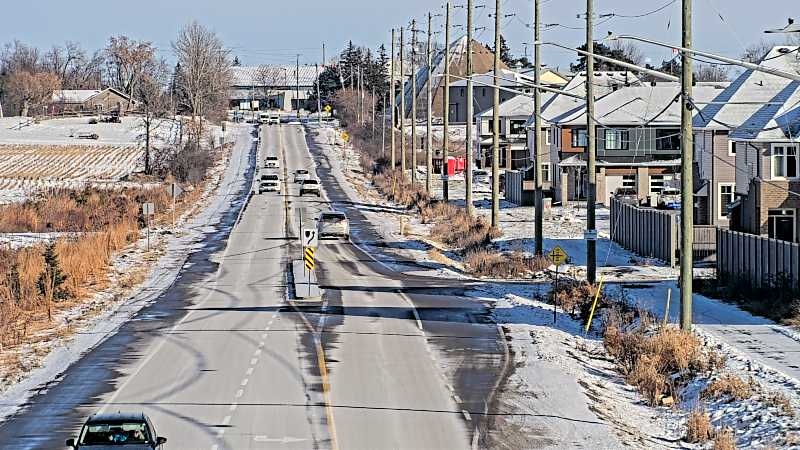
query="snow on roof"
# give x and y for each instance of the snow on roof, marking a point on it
(272, 76)
(771, 101)
(577, 161)
(636, 105)
(518, 106)
(74, 95)
(508, 78)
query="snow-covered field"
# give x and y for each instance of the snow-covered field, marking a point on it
(754, 347)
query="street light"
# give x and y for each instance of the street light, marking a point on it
(736, 62)
(790, 28)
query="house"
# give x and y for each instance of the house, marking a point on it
(274, 87)
(638, 140)
(760, 113)
(106, 101)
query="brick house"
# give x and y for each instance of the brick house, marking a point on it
(760, 113)
(106, 101)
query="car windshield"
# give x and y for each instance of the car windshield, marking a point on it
(302, 172)
(269, 177)
(626, 192)
(272, 158)
(332, 217)
(310, 182)
(115, 433)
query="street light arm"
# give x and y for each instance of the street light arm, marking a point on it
(736, 62)
(627, 65)
(515, 91)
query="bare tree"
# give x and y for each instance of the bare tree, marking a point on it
(628, 49)
(270, 78)
(710, 72)
(756, 52)
(126, 61)
(205, 71)
(32, 90)
(151, 92)
(75, 68)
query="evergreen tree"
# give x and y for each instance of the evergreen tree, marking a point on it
(51, 281)
(602, 50)
(236, 62)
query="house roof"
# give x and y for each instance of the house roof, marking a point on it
(74, 95)
(508, 78)
(272, 76)
(757, 105)
(577, 161)
(638, 105)
(518, 106)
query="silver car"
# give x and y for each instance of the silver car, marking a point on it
(301, 175)
(271, 162)
(333, 224)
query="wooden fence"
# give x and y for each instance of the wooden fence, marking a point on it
(762, 261)
(647, 232)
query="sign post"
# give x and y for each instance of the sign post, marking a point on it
(558, 256)
(308, 257)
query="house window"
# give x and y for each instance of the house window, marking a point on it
(629, 181)
(781, 224)
(547, 137)
(668, 139)
(731, 148)
(518, 127)
(579, 138)
(784, 161)
(462, 92)
(617, 139)
(545, 172)
(725, 198)
(483, 92)
(657, 183)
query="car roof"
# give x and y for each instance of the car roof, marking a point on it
(117, 416)
(332, 213)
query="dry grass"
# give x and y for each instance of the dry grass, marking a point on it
(494, 264)
(398, 188)
(725, 439)
(656, 360)
(780, 401)
(576, 297)
(729, 387)
(698, 427)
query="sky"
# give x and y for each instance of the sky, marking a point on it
(275, 31)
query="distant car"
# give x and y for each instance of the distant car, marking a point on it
(670, 198)
(271, 162)
(269, 186)
(93, 136)
(627, 195)
(270, 177)
(310, 186)
(132, 431)
(480, 176)
(273, 119)
(301, 175)
(333, 224)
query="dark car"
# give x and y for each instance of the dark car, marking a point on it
(627, 195)
(118, 430)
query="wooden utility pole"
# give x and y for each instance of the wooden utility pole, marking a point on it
(496, 121)
(393, 95)
(297, 80)
(413, 100)
(428, 110)
(537, 129)
(591, 232)
(319, 98)
(687, 189)
(468, 154)
(402, 103)
(446, 110)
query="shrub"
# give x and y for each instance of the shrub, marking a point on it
(698, 427)
(780, 401)
(725, 439)
(730, 387)
(494, 264)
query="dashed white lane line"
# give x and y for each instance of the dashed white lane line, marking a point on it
(234, 406)
(226, 420)
(254, 361)
(245, 381)
(261, 344)
(249, 372)
(466, 414)
(257, 352)
(239, 393)
(264, 336)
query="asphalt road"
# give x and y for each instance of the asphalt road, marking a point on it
(224, 359)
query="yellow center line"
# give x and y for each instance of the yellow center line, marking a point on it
(322, 365)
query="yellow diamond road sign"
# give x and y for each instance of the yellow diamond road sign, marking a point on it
(558, 256)
(308, 257)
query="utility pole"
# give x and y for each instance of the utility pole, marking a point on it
(323, 55)
(537, 129)
(687, 190)
(591, 232)
(496, 121)
(383, 125)
(429, 119)
(393, 95)
(373, 112)
(297, 81)
(402, 104)
(319, 99)
(468, 155)
(446, 111)
(413, 100)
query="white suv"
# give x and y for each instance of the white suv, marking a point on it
(333, 224)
